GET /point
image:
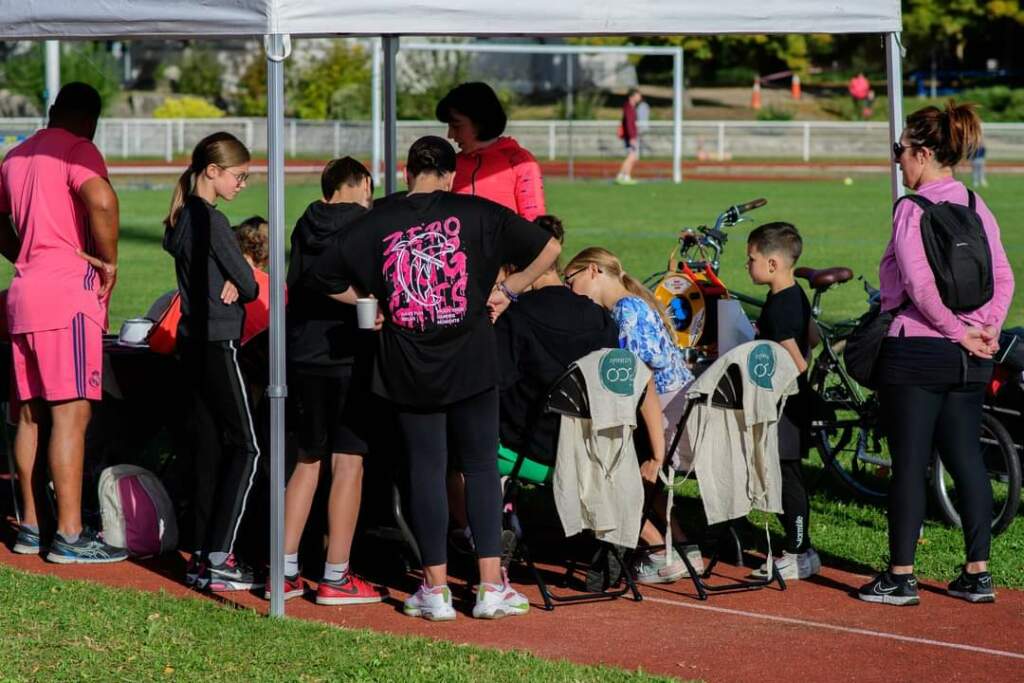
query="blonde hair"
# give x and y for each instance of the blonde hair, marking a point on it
(609, 263)
(221, 149)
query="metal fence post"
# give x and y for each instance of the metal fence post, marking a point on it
(337, 139)
(721, 141)
(168, 141)
(551, 141)
(807, 142)
(291, 138)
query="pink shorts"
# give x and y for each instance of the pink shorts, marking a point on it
(59, 365)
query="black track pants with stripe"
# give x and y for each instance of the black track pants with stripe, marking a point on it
(226, 451)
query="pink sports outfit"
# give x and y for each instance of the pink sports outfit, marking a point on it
(56, 318)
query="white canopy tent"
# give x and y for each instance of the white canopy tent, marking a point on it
(277, 20)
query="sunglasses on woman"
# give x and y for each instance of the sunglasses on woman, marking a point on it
(897, 150)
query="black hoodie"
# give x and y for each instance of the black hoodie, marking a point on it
(322, 332)
(539, 336)
(206, 255)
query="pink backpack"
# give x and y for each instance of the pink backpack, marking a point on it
(137, 512)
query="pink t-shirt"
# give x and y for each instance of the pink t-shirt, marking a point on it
(40, 181)
(904, 273)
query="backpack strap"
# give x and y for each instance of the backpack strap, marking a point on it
(971, 203)
(921, 201)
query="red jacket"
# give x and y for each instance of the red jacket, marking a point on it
(628, 125)
(505, 173)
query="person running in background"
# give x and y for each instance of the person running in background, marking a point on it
(215, 281)
(431, 258)
(630, 135)
(488, 164)
(328, 374)
(59, 227)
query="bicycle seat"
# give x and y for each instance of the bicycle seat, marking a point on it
(824, 278)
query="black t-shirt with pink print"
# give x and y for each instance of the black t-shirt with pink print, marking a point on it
(431, 260)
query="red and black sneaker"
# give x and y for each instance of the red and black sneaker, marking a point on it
(294, 587)
(349, 590)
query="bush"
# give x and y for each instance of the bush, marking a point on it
(998, 103)
(86, 62)
(775, 114)
(585, 105)
(427, 77)
(735, 75)
(186, 107)
(252, 89)
(335, 87)
(200, 74)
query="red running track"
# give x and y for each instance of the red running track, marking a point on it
(812, 631)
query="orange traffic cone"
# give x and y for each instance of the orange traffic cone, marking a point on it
(794, 87)
(755, 96)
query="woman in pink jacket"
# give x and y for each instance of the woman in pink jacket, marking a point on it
(936, 362)
(490, 165)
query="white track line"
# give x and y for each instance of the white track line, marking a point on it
(844, 629)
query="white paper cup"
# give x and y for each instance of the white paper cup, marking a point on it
(366, 313)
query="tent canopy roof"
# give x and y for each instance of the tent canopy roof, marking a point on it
(93, 19)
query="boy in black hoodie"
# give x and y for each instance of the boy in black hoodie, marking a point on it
(323, 342)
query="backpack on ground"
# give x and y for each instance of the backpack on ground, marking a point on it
(958, 252)
(137, 512)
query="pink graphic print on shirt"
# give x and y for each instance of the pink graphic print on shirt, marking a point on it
(425, 271)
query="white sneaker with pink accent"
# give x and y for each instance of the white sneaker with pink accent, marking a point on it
(494, 601)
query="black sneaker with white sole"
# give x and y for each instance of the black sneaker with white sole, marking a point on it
(973, 587)
(886, 589)
(230, 576)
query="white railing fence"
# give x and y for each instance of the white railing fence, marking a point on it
(167, 139)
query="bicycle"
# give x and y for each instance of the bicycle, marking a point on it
(847, 429)
(846, 426)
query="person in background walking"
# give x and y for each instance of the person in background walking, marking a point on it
(630, 135)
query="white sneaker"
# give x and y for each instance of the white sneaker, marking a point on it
(793, 566)
(431, 603)
(494, 601)
(650, 567)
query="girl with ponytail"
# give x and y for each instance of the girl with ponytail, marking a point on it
(214, 281)
(935, 363)
(644, 329)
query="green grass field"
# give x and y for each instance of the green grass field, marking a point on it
(842, 225)
(57, 630)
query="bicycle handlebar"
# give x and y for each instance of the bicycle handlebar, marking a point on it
(751, 205)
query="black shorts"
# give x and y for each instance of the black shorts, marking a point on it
(333, 414)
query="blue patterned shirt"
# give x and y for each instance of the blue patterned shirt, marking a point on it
(642, 331)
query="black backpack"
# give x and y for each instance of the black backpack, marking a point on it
(958, 252)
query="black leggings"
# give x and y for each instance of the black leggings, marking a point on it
(795, 507)
(469, 430)
(919, 421)
(226, 448)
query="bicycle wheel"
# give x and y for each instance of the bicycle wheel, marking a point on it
(846, 431)
(1003, 465)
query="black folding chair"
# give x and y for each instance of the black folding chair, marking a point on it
(728, 394)
(567, 396)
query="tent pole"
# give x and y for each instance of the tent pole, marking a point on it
(677, 116)
(278, 48)
(52, 84)
(375, 110)
(390, 114)
(894, 78)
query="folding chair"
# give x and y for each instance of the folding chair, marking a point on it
(567, 396)
(728, 394)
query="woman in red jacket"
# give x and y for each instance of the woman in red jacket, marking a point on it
(490, 165)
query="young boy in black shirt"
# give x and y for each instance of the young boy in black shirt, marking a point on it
(772, 252)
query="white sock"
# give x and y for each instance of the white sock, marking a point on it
(335, 572)
(291, 564)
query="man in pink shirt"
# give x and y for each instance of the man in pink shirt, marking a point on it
(59, 226)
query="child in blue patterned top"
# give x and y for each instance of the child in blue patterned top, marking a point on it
(645, 330)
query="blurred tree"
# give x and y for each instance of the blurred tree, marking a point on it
(86, 62)
(334, 87)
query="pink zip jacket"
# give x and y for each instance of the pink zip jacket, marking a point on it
(904, 273)
(505, 173)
